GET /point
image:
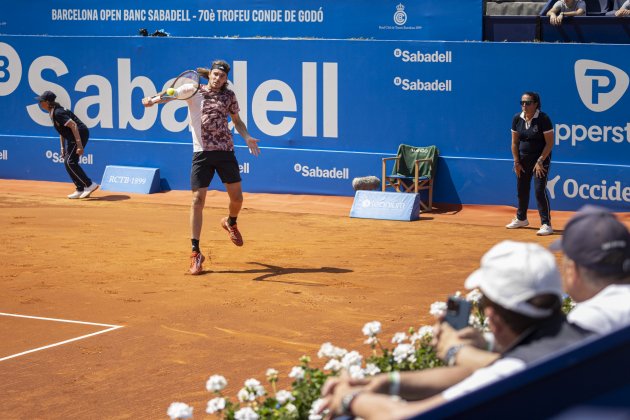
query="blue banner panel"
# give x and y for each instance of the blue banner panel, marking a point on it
(386, 206)
(327, 19)
(328, 111)
(131, 179)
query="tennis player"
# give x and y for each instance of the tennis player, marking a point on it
(213, 151)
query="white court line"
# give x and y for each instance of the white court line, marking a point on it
(111, 328)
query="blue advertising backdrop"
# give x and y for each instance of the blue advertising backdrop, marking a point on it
(327, 111)
(326, 19)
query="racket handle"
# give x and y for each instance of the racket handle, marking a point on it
(156, 99)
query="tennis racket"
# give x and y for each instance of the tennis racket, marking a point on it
(184, 87)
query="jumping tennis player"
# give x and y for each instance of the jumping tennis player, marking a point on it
(213, 150)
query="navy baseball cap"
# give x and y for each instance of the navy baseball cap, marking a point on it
(594, 238)
(47, 96)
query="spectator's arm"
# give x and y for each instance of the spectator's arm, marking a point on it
(380, 407)
(555, 15)
(578, 12)
(418, 385)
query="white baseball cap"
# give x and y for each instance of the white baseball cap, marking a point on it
(512, 272)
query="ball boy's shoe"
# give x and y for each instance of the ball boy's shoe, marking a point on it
(515, 224)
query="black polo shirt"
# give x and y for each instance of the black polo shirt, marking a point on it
(532, 138)
(60, 116)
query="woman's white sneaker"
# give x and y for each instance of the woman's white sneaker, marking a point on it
(544, 230)
(89, 190)
(75, 195)
(515, 223)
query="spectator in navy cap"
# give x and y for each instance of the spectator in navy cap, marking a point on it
(596, 269)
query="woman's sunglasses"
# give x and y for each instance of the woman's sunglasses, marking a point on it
(527, 102)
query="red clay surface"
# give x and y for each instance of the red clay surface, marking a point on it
(307, 274)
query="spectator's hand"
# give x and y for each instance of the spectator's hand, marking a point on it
(622, 12)
(445, 337)
(332, 382)
(333, 392)
(556, 20)
(539, 170)
(252, 144)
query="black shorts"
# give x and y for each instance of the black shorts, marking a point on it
(204, 164)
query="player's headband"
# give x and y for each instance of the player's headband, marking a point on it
(221, 67)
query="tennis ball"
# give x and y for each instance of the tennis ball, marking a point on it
(170, 91)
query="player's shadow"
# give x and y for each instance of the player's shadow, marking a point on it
(268, 271)
(111, 197)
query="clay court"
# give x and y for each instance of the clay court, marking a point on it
(307, 274)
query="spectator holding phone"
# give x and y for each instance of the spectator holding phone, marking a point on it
(595, 273)
(522, 299)
(563, 8)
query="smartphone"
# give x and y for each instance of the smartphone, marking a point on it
(457, 312)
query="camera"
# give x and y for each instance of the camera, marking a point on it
(457, 312)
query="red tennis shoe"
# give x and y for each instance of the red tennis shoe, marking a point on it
(196, 263)
(235, 235)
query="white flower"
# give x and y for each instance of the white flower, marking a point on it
(297, 372)
(371, 341)
(399, 337)
(272, 374)
(325, 350)
(313, 413)
(371, 328)
(284, 396)
(246, 413)
(179, 410)
(438, 309)
(215, 404)
(474, 296)
(331, 352)
(334, 365)
(356, 372)
(244, 395)
(291, 409)
(216, 383)
(371, 369)
(426, 331)
(351, 359)
(252, 383)
(254, 387)
(402, 352)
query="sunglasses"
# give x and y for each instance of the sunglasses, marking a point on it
(527, 102)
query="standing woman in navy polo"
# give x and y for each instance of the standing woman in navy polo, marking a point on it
(73, 136)
(532, 141)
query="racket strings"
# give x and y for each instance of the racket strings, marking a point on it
(190, 78)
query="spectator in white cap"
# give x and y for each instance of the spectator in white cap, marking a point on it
(596, 269)
(522, 300)
(595, 274)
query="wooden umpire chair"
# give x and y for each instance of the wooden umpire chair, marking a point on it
(413, 171)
